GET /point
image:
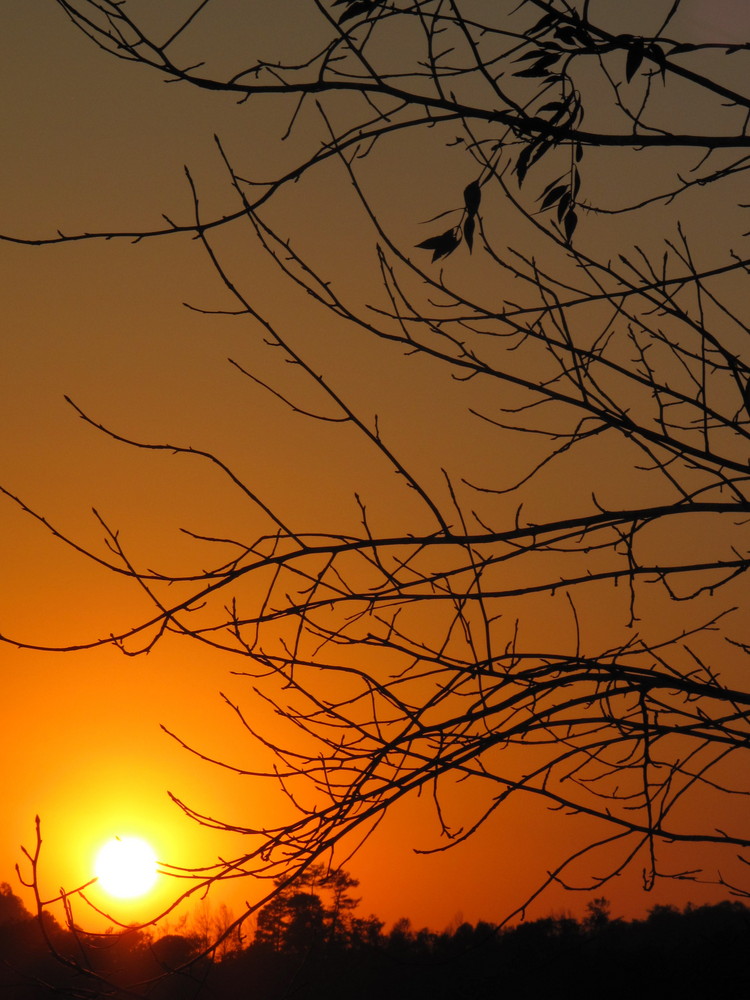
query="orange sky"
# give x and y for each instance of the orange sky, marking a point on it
(90, 142)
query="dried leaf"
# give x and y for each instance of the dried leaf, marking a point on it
(354, 7)
(522, 163)
(556, 106)
(685, 47)
(571, 221)
(441, 245)
(469, 226)
(541, 67)
(528, 56)
(553, 196)
(566, 33)
(544, 22)
(564, 205)
(634, 59)
(553, 183)
(472, 197)
(656, 52)
(531, 154)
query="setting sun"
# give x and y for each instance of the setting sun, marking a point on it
(126, 867)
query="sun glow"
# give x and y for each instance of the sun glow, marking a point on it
(126, 867)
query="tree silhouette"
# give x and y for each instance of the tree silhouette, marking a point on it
(548, 604)
(315, 909)
(694, 951)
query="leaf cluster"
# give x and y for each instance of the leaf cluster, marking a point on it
(444, 244)
(560, 194)
(637, 50)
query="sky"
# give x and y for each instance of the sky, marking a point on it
(94, 143)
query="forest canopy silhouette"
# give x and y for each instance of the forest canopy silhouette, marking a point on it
(512, 333)
(688, 953)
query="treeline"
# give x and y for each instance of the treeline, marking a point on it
(309, 943)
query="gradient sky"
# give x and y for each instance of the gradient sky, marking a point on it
(93, 143)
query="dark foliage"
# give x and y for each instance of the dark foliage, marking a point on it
(696, 952)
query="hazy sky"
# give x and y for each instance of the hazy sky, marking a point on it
(90, 142)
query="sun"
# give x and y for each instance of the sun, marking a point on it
(126, 867)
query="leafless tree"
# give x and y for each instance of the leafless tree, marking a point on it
(554, 608)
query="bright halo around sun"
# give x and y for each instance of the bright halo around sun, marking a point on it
(126, 867)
